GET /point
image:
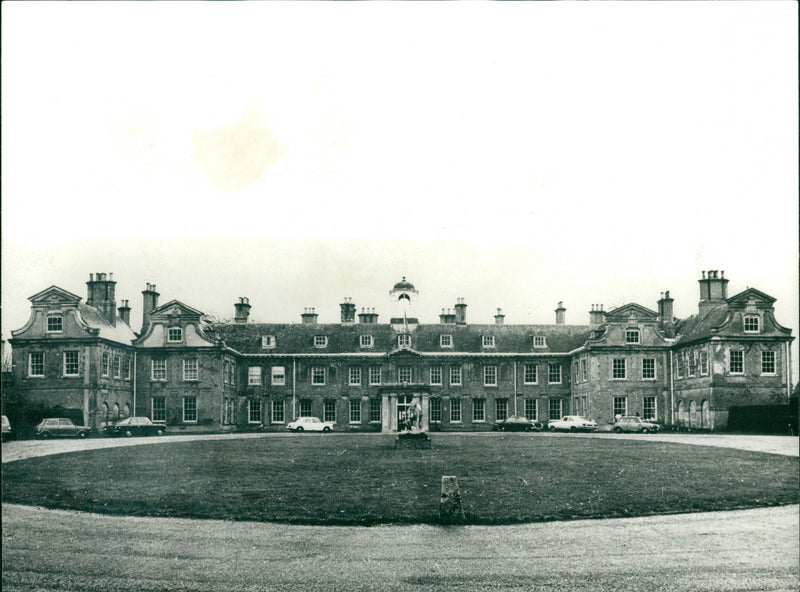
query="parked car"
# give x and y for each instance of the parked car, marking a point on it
(6, 429)
(135, 426)
(573, 423)
(60, 427)
(516, 423)
(633, 423)
(309, 424)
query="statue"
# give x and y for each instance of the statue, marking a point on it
(412, 418)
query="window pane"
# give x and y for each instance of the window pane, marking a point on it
(530, 409)
(455, 410)
(375, 410)
(329, 410)
(277, 412)
(478, 411)
(159, 409)
(355, 410)
(501, 409)
(436, 409)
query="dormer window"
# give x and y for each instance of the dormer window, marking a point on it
(632, 336)
(445, 341)
(174, 335)
(752, 324)
(539, 341)
(55, 323)
(320, 341)
(488, 341)
(268, 341)
(404, 340)
(367, 341)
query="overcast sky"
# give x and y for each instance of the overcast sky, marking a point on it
(513, 154)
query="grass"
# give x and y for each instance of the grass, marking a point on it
(361, 479)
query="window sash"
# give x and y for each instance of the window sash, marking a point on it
(254, 411)
(478, 410)
(158, 409)
(355, 375)
(648, 369)
(104, 368)
(529, 374)
(320, 341)
(435, 409)
(278, 376)
(501, 409)
(490, 376)
(531, 411)
(436, 374)
(554, 374)
(277, 412)
(366, 341)
(174, 334)
(405, 374)
(268, 342)
(649, 408)
(554, 409)
(404, 340)
(71, 364)
(158, 369)
(632, 336)
(736, 362)
(254, 376)
(619, 369)
(488, 341)
(768, 365)
(375, 375)
(620, 406)
(455, 375)
(318, 375)
(752, 324)
(190, 371)
(329, 410)
(55, 323)
(375, 410)
(455, 410)
(355, 410)
(445, 341)
(190, 409)
(305, 407)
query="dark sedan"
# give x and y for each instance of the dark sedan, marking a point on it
(518, 424)
(135, 426)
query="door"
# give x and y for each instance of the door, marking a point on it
(403, 403)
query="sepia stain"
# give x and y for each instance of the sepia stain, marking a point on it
(234, 155)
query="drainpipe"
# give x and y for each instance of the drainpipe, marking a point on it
(294, 388)
(515, 388)
(671, 393)
(788, 371)
(134, 382)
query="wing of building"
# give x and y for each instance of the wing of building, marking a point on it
(183, 370)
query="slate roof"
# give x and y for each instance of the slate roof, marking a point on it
(122, 333)
(699, 326)
(299, 338)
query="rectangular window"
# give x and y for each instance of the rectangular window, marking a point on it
(158, 406)
(174, 334)
(404, 374)
(488, 341)
(618, 370)
(404, 340)
(305, 407)
(55, 323)
(478, 410)
(539, 341)
(190, 409)
(620, 406)
(158, 369)
(105, 364)
(436, 375)
(737, 362)
(278, 376)
(455, 410)
(320, 341)
(554, 408)
(375, 410)
(632, 336)
(490, 376)
(268, 342)
(254, 375)
(355, 376)
(277, 412)
(554, 374)
(584, 371)
(355, 410)
(126, 366)
(329, 410)
(529, 375)
(751, 324)
(680, 367)
(501, 409)
(703, 363)
(767, 362)
(71, 367)
(436, 409)
(254, 411)
(190, 369)
(455, 375)
(366, 341)
(692, 364)
(531, 411)
(445, 341)
(318, 375)
(374, 374)
(648, 369)
(649, 410)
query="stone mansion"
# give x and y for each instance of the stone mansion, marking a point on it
(184, 370)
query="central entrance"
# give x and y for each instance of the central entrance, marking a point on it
(403, 403)
(394, 405)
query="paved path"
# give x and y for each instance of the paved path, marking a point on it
(48, 550)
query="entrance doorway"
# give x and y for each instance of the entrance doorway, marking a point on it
(403, 403)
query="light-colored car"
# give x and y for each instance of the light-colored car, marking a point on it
(135, 426)
(61, 427)
(6, 428)
(309, 424)
(633, 423)
(572, 423)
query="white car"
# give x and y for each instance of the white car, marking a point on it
(573, 423)
(309, 424)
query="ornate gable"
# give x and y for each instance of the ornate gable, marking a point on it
(631, 311)
(751, 297)
(54, 295)
(175, 310)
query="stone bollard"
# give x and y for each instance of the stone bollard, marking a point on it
(450, 510)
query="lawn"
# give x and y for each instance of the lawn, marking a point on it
(361, 479)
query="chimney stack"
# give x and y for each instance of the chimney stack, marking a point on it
(713, 289)
(560, 314)
(348, 311)
(149, 304)
(125, 312)
(242, 310)
(101, 289)
(368, 316)
(309, 316)
(597, 316)
(447, 318)
(499, 317)
(665, 309)
(461, 312)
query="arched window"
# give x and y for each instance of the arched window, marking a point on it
(681, 411)
(705, 418)
(126, 411)
(105, 412)
(693, 414)
(116, 411)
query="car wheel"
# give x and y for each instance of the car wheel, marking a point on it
(552, 428)
(128, 433)
(617, 430)
(82, 434)
(645, 431)
(573, 429)
(299, 429)
(159, 432)
(44, 435)
(326, 429)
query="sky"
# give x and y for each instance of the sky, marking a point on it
(511, 154)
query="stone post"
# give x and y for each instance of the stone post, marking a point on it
(450, 510)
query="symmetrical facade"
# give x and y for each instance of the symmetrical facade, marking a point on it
(183, 370)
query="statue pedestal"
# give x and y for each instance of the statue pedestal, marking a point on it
(412, 441)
